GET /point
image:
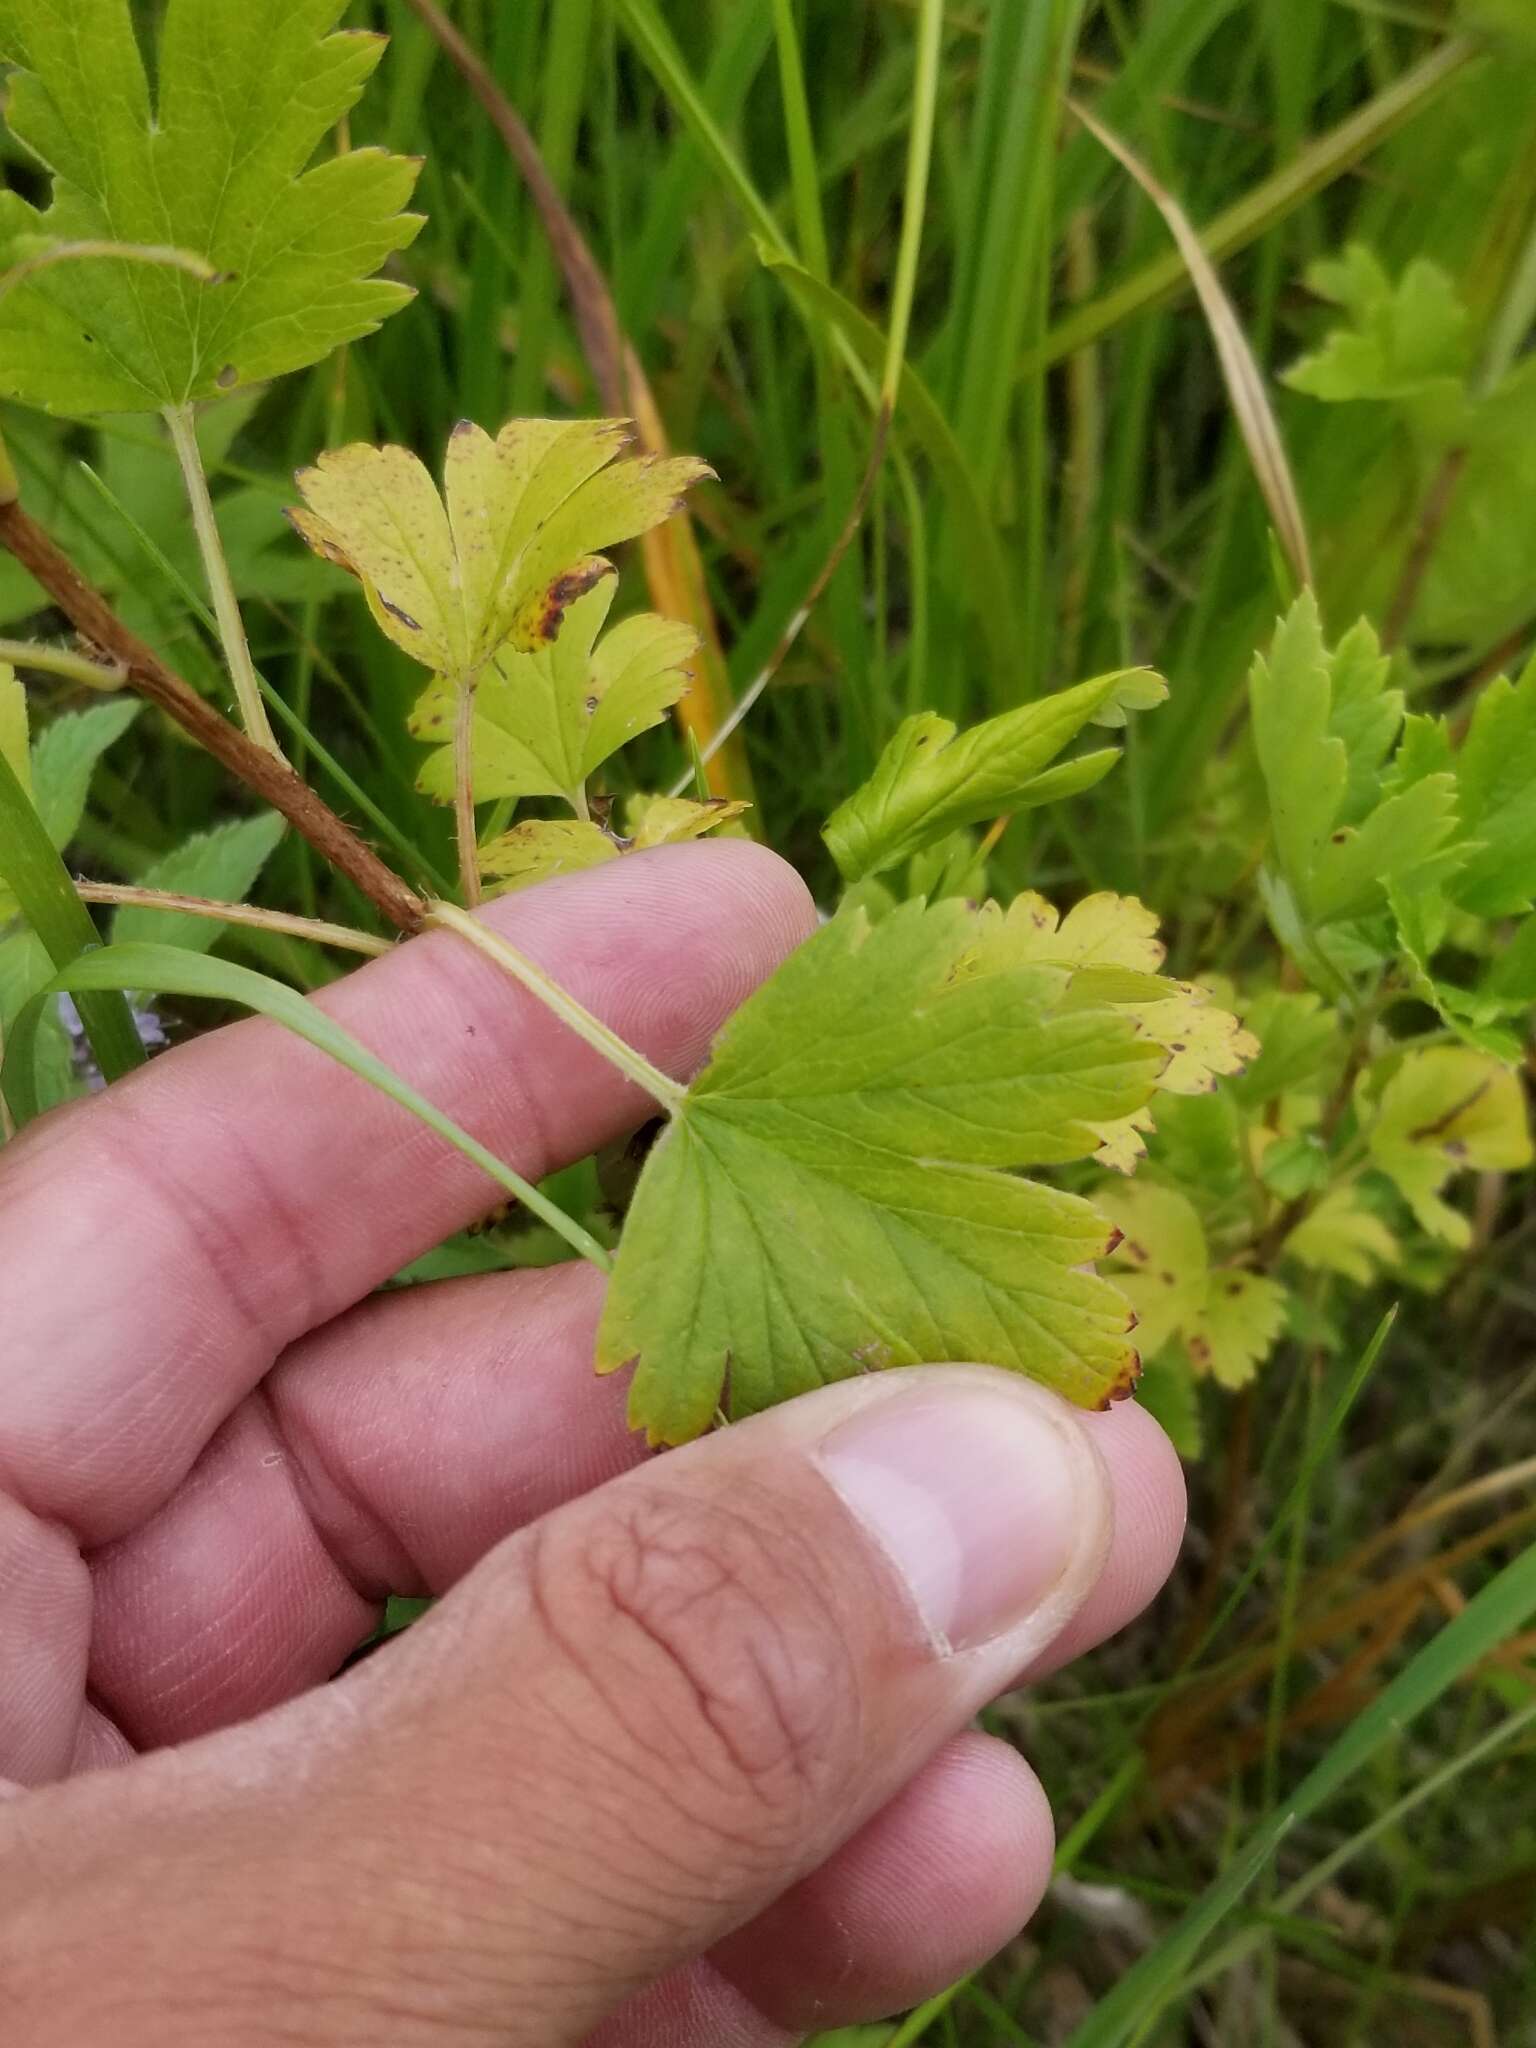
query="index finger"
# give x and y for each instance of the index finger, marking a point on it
(163, 1243)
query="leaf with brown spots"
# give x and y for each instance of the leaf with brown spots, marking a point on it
(499, 558)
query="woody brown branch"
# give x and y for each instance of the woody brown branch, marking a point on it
(268, 778)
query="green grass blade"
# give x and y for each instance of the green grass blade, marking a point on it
(920, 417)
(177, 973)
(653, 40)
(40, 883)
(1503, 1607)
(1268, 203)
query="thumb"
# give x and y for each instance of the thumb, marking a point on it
(623, 1735)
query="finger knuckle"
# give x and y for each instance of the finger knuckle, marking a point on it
(709, 1631)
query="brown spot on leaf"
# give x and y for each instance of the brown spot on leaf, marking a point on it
(227, 378)
(1123, 1386)
(411, 625)
(1116, 1239)
(563, 593)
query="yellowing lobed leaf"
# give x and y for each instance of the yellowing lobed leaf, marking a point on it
(933, 778)
(1162, 1249)
(542, 849)
(1446, 1110)
(1106, 953)
(545, 721)
(214, 164)
(1240, 1324)
(828, 1199)
(545, 847)
(1342, 1236)
(507, 548)
(668, 820)
(1227, 1320)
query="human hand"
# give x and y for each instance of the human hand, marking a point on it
(681, 1757)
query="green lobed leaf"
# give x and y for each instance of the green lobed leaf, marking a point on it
(932, 777)
(1408, 341)
(828, 1199)
(222, 864)
(213, 162)
(546, 721)
(1496, 788)
(1322, 723)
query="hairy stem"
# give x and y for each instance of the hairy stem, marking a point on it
(264, 774)
(237, 652)
(448, 917)
(61, 661)
(464, 792)
(312, 928)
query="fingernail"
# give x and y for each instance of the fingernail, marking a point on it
(987, 1499)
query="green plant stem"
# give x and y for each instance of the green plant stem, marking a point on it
(464, 792)
(316, 930)
(173, 971)
(237, 652)
(914, 202)
(60, 661)
(448, 917)
(40, 882)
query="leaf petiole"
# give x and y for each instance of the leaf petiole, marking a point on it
(226, 606)
(448, 917)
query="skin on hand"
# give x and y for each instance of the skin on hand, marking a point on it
(682, 1757)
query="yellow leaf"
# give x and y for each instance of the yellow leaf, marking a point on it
(1342, 1236)
(1162, 1249)
(540, 850)
(1447, 1110)
(665, 820)
(1235, 1332)
(509, 551)
(1102, 931)
(1201, 1041)
(1122, 1146)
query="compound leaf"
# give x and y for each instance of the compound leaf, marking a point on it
(828, 1199)
(500, 557)
(545, 721)
(933, 778)
(212, 163)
